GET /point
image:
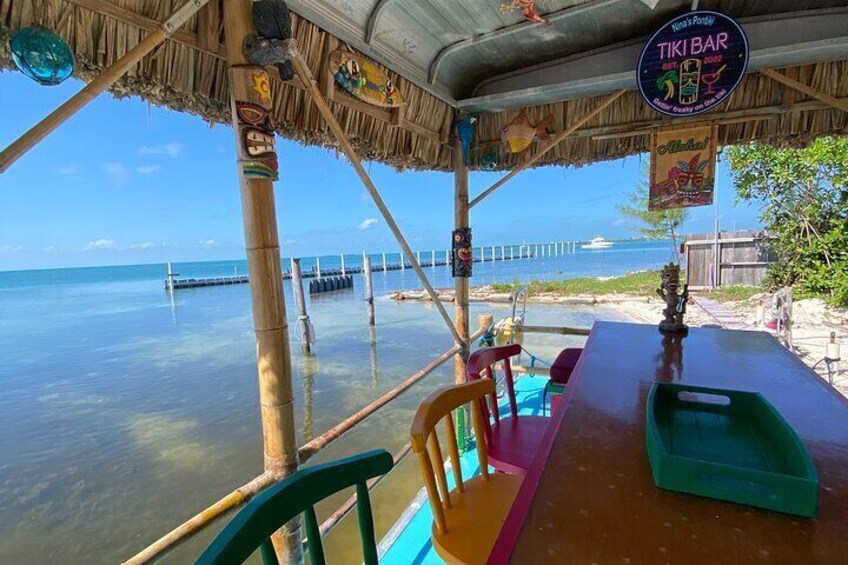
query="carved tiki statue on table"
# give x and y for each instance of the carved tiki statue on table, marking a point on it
(675, 301)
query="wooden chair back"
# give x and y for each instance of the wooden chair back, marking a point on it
(270, 510)
(425, 441)
(482, 364)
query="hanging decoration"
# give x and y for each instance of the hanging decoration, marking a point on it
(528, 10)
(364, 79)
(693, 63)
(489, 161)
(519, 134)
(465, 131)
(463, 255)
(269, 46)
(42, 55)
(257, 150)
(682, 167)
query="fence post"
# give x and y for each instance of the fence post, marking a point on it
(369, 288)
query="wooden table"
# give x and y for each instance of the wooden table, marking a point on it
(590, 498)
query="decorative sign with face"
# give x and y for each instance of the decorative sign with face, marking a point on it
(463, 254)
(693, 63)
(682, 167)
(257, 151)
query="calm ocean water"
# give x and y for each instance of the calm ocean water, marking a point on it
(124, 411)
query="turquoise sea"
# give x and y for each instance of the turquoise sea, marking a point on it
(124, 410)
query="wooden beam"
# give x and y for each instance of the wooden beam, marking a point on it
(262, 244)
(104, 80)
(548, 146)
(789, 93)
(305, 75)
(209, 27)
(808, 90)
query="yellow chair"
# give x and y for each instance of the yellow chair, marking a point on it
(467, 520)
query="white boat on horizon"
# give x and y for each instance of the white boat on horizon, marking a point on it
(597, 243)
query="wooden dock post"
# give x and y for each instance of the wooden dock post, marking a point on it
(300, 300)
(482, 254)
(402, 262)
(369, 288)
(511, 250)
(266, 281)
(343, 265)
(503, 253)
(318, 266)
(433, 258)
(384, 262)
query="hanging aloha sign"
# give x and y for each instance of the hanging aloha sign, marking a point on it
(463, 254)
(682, 167)
(693, 63)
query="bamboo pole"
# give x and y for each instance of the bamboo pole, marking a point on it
(266, 282)
(300, 300)
(460, 220)
(369, 288)
(302, 70)
(548, 146)
(837, 103)
(104, 80)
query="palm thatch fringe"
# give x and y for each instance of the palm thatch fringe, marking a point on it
(185, 78)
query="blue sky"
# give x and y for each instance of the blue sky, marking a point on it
(123, 182)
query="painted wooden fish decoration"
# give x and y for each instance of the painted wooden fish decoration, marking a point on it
(465, 132)
(519, 134)
(528, 10)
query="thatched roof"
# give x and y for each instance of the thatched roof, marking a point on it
(188, 73)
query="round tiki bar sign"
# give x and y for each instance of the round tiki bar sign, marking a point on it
(693, 63)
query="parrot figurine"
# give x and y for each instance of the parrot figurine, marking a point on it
(465, 131)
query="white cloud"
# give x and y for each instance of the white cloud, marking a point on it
(148, 169)
(172, 149)
(69, 170)
(143, 245)
(49, 249)
(367, 223)
(116, 170)
(620, 222)
(10, 248)
(208, 243)
(290, 242)
(100, 244)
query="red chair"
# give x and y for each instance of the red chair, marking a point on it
(561, 371)
(512, 441)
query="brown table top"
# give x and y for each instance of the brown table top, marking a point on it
(590, 496)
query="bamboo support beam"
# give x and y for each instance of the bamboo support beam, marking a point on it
(305, 75)
(89, 92)
(461, 285)
(263, 481)
(803, 88)
(261, 237)
(548, 146)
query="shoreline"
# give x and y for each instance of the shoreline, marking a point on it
(813, 320)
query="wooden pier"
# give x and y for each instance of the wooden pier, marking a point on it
(495, 253)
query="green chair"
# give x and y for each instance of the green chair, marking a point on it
(252, 527)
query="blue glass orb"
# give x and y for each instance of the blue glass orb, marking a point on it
(42, 55)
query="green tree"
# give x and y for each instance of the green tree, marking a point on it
(804, 198)
(653, 224)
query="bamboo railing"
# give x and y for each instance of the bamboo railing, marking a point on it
(247, 491)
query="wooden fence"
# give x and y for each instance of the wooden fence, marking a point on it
(744, 257)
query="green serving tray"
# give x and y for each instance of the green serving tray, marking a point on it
(729, 445)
